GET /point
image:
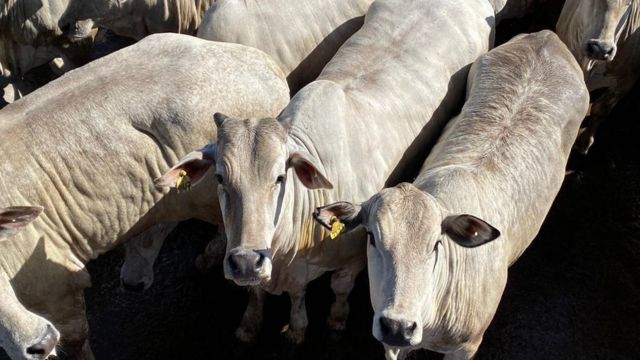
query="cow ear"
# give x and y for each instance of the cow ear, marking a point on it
(13, 219)
(468, 230)
(194, 165)
(306, 168)
(219, 119)
(346, 212)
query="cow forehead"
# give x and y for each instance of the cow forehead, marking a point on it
(253, 145)
(404, 213)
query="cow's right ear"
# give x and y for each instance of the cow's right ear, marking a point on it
(13, 219)
(192, 168)
(347, 213)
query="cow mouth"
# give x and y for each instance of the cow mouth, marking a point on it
(251, 280)
(81, 29)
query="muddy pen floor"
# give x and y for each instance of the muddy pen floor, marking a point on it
(574, 294)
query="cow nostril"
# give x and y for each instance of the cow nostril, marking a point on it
(36, 350)
(409, 328)
(260, 260)
(233, 264)
(46, 344)
(593, 48)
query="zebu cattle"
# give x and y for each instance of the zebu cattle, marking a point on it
(88, 161)
(404, 69)
(301, 36)
(604, 35)
(135, 18)
(30, 36)
(439, 248)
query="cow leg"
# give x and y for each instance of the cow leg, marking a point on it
(600, 111)
(342, 282)
(251, 322)
(298, 317)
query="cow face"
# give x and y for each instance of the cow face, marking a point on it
(253, 162)
(408, 234)
(591, 28)
(23, 334)
(136, 273)
(82, 15)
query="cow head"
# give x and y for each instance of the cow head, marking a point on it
(136, 273)
(591, 28)
(408, 235)
(23, 334)
(82, 15)
(253, 163)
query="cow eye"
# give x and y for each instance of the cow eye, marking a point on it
(219, 179)
(280, 179)
(371, 239)
(438, 243)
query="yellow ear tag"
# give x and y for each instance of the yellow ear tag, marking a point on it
(183, 183)
(336, 227)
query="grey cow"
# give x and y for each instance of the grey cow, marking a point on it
(439, 248)
(84, 145)
(343, 136)
(301, 36)
(604, 35)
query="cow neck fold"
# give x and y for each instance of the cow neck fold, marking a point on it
(296, 231)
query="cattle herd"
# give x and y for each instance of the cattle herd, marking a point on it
(318, 136)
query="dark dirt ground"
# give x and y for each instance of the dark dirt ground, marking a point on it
(574, 294)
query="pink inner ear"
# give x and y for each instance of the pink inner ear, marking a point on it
(305, 172)
(168, 179)
(195, 169)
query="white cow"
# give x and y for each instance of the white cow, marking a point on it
(301, 36)
(363, 119)
(604, 35)
(439, 248)
(83, 146)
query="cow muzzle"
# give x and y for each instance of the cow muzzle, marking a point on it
(248, 267)
(80, 29)
(44, 347)
(397, 332)
(602, 50)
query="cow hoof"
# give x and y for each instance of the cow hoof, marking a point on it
(294, 336)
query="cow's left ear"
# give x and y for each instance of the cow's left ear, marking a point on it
(468, 230)
(306, 168)
(13, 219)
(348, 213)
(194, 165)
